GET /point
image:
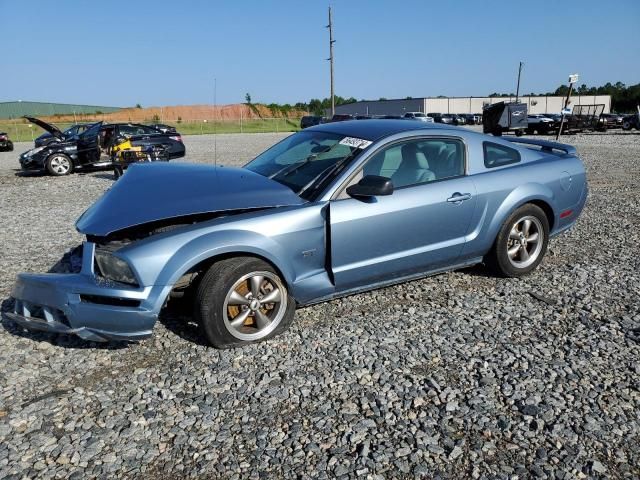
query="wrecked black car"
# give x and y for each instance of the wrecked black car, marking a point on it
(92, 147)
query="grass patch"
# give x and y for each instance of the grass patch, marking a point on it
(22, 132)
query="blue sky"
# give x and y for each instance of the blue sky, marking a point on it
(169, 52)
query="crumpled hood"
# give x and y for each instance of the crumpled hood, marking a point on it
(157, 191)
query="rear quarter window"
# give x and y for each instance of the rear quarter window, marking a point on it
(496, 155)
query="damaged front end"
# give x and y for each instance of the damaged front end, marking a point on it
(95, 292)
(85, 303)
(114, 287)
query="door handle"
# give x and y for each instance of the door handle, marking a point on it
(459, 197)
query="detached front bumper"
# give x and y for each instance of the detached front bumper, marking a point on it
(85, 305)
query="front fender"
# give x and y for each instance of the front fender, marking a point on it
(291, 239)
(220, 243)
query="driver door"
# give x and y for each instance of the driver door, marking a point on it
(421, 226)
(88, 148)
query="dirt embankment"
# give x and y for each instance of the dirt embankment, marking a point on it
(178, 112)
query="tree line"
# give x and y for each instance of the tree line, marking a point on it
(624, 99)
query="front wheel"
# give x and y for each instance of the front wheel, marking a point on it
(242, 300)
(521, 242)
(59, 164)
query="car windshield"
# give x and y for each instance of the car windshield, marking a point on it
(306, 159)
(74, 130)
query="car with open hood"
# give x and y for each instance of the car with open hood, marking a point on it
(91, 148)
(332, 210)
(72, 131)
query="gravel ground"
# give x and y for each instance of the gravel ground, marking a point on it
(456, 376)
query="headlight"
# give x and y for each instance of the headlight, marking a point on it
(35, 150)
(114, 268)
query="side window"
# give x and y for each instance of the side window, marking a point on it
(145, 130)
(127, 130)
(418, 161)
(498, 155)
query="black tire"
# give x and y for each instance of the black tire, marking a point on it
(626, 125)
(54, 164)
(220, 282)
(519, 133)
(10, 146)
(117, 172)
(499, 259)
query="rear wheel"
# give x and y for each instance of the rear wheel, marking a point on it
(521, 243)
(59, 164)
(519, 133)
(241, 301)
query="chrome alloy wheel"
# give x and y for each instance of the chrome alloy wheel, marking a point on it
(60, 164)
(254, 305)
(525, 241)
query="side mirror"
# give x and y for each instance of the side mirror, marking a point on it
(371, 186)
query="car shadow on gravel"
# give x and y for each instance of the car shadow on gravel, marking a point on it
(28, 174)
(103, 175)
(177, 317)
(478, 270)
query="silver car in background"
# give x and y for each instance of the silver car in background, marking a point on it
(417, 116)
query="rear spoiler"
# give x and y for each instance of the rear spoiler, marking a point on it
(546, 146)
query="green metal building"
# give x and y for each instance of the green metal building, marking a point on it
(35, 109)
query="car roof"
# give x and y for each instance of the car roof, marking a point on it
(375, 129)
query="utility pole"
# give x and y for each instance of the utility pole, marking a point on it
(331, 42)
(215, 109)
(518, 87)
(572, 79)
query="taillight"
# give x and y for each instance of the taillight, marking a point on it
(3, 137)
(177, 138)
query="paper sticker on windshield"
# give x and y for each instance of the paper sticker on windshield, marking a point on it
(355, 142)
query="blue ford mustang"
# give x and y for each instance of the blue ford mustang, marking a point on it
(332, 210)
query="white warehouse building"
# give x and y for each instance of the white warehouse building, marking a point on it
(539, 104)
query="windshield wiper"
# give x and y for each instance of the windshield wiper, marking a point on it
(289, 169)
(294, 167)
(331, 170)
